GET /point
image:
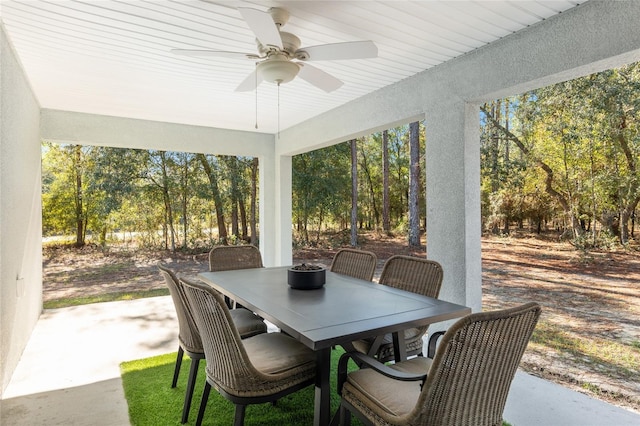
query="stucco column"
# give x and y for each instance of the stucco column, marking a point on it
(283, 238)
(275, 210)
(453, 198)
(266, 210)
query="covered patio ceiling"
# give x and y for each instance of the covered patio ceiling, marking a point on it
(114, 57)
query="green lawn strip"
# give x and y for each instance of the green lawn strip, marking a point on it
(107, 297)
(613, 357)
(152, 401)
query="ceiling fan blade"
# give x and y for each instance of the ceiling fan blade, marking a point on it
(250, 83)
(203, 53)
(262, 25)
(336, 51)
(319, 78)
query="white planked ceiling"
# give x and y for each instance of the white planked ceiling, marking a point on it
(113, 57)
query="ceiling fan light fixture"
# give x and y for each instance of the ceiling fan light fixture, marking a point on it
(278, 70)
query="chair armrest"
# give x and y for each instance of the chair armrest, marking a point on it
(433, 341)
(365, 361)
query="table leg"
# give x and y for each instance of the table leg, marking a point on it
(322, 406)
(399, 346)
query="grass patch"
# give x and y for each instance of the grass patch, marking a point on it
(621, 359)
(152, 401)
(107, 297)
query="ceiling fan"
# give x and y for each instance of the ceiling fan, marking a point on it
(280, 58)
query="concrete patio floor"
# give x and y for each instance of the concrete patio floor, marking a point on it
(69, 372)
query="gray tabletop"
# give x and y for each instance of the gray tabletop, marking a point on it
(345, 309)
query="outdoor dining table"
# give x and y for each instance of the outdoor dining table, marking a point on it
(343, 310)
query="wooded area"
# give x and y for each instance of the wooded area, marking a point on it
(562, 157)
(566, 157)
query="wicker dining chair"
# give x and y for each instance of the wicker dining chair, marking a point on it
(259, 369)
(229, 258)
(414, 274)
(354, 263)
(189, 341)
(467, 382)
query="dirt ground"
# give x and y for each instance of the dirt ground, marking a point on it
(590, 300)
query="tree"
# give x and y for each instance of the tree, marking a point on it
(321, 189)
(253, 202)
(558, 194)
(159, 174)
(112, 178)
(414, 184)
(368, 170)
(210, 169)
(616, 99)
(386, 221)
(354, 193)
(66, 200)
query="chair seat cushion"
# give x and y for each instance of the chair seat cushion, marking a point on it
(247, 323)
(273, 353)
(384, 394)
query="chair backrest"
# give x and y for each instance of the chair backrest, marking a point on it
(232, 370)
(188, 332)
(474, 365)
(227, 258)
(413, 274)
(354, 263)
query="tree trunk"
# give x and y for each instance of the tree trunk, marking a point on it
(414, 184)
(217, 199)
(254, 192)
(185, 200)
(167, 200)
(372, 194)
(630, 201)
(354, 194)
(79, 205)
(386, 220)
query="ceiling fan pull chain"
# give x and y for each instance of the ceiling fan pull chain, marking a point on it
(256, 73)
(278, 110)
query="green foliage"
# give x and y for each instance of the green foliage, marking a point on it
(322, 186)
(565, 154)
(147, 198)
(321, 189)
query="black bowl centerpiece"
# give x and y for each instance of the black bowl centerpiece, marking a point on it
(306, 276)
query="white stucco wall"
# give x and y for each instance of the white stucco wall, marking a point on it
(20, 213)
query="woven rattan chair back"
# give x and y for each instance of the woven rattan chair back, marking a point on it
(355, 263)
(413, 274)
(188, 332)
(188, 336)
(232, 371)
(227, 258)
(229, 367)
(417, 275)
(474, 366)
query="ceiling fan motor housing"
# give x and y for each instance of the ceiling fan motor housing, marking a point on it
(290, 44)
